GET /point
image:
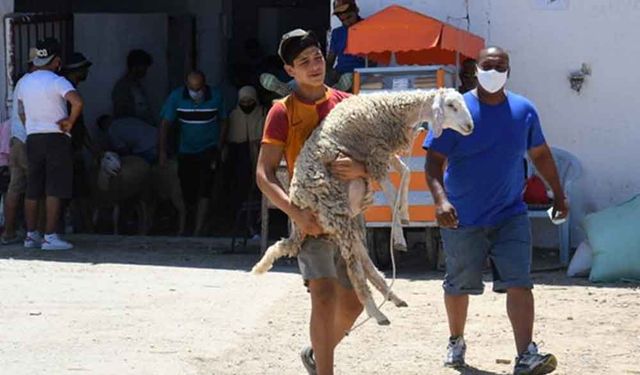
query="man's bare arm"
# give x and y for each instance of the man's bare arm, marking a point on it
(445, 212)
(545, 165)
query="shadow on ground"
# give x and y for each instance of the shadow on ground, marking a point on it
(214, 253)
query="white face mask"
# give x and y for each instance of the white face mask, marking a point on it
(492, 80)
(196, 95)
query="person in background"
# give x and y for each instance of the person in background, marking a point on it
(17, 163)
(130, 136)
(199, 111)
(129, 96)
(341, 64)
(76, 71)
(245, 132)
(42, 102)
(467, 74)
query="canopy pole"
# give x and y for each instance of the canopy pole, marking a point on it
(457, 75)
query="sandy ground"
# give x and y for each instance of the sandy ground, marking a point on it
(162, 306)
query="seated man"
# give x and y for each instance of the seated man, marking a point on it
(339, 63)
(129, 96)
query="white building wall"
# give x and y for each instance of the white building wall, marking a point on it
(601, 124)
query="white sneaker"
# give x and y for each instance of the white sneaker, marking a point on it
(456, 350)
(532, 362)
(271, 83)
(33, 240)
(53, 242)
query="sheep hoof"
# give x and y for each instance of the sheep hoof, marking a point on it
(384, 322)
(401, 304)
(399, 247)
(405, 221)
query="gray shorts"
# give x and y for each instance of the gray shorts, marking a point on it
(507, 246)
(320, 258)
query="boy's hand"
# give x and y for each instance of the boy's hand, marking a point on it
(307, 223)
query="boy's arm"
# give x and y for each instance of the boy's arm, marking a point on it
(268, 163)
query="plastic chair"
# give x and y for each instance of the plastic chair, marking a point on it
(569, 170)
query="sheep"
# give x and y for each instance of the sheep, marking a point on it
(118, 180)
(372, 129)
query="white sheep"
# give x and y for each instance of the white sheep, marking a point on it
(372, 129)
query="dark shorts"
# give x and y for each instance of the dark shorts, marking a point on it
(507, 246)
(197, 175)
(320, 258)
(50, 166)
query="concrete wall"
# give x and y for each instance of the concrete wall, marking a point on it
(600, 125)
(108, 52)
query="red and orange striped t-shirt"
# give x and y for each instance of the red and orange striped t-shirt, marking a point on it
(291, 121)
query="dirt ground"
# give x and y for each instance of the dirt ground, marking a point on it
(174, 306)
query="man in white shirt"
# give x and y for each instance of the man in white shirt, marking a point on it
(42, 100)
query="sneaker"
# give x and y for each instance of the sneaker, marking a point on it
(345, 82)
(53, 242)
(455, 352)
(532, 362)
(272, 83)
(306, 355)
(5, 241)
(33, 240)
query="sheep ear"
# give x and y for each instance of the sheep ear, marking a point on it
(437, 115)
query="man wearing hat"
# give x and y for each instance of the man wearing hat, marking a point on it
(334, 304)
(342, 63)
(42, 100)
(76, 71)
(17, 162)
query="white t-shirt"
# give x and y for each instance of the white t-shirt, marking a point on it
(42, 94)
(17, 127)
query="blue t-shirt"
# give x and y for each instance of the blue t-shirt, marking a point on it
(199, 122)
(484, 179)
(344, 63)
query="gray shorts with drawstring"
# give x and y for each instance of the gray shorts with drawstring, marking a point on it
(320, 258)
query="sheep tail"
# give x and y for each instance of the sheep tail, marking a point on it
(285, 247)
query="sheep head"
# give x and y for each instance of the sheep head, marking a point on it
(449, 111)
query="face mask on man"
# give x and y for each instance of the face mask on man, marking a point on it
(196, 95)
(247, 108)
(492, 80)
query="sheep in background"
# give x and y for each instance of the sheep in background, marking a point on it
(372, 129)
(119, 180)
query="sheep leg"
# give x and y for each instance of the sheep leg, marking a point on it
(377, 279)
(359, 281)
(399, 242)
(286, 247)
(405, 173)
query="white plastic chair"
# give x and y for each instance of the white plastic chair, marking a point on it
(569, 169)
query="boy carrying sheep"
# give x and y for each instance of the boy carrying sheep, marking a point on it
(334, 304)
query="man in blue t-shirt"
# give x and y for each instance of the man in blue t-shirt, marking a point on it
(199, 111)
(340, 64)
(480, 209)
